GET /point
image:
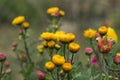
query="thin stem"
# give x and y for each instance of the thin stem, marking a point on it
(64, 51)
(26, 47)
(52, 76)
(68, 76)
(1, 68)
(72, 58)
(58, 73)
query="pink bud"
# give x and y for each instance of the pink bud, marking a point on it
(116, 78)
(6, 63)
(2, 57)
(56, 14)
(41, 75)
(116, 59)
(88, 51)
(97, 35)
(8, 70)
(14, 43)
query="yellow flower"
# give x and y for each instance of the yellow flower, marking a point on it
(58, 59)
(89, 33)
(47, 36)
(18, 20)
(57, 46)
(67, 37)
(102, 30)
(51, 44)
(118, 54)
(74, 47)
(58, 34)
(40, 48)
(49, 66)
(52, 10)
(25, 25)
(67, 67)
(44, 43)
(112, 34)
(61, 12)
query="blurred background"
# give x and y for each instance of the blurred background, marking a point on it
(80, 15)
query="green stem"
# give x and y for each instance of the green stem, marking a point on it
(72, 58)
(1, 67)
(52, 76)
(58, 73)
(68, 76)
(25, 46)
(64, 51)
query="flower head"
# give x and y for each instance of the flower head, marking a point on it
(52, 10)
(61, 12)
(25, 25)
(89, 33)
(18, 20)
(58, 59)
(40, 48)
(49, 66)
(2, 57)
(116, 58)
(51, 44)
(47, 36)
(67, 67)
(88, 51)
(112, 34)
(41, 75)
(102, 30)
(74, 47)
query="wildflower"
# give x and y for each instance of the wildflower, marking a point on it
(89, 33)
(58, 34)
(94, 61)
(6, 63)
(18, 20)
(65, 38)
(116, 78)
(47, 36)
(2, 57)
(116, 58)
(45, 43)
(41, 75)
(53, 10)
(88, 51)
(22, 57)
(112, 34)
(104, 45)
(51, 44)
(40, 48)
(57, 46)
(25, 25)
(14, 44)
(49, 66)
(61, 12)
(102, 30)
(67, 67)
(58, 59)
(8, 70)
(74, 47)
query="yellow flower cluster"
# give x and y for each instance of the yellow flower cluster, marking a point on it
(55, 11)
(20, 20)
(58, 35)
(89, 33)
(58, 60)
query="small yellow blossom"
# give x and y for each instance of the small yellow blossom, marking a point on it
(25, 25)
(58, 34)
(102, 30)
(45, 43)
(58, 59)
(67, 67)
(74, 47)
(47, 36)
(49, 66)
(52, 10)
(118, 54)
(51, 44)
(18, 20)
(112, 34)
(61, 12)
(89, 33)
(57, 46)
(40, 48)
